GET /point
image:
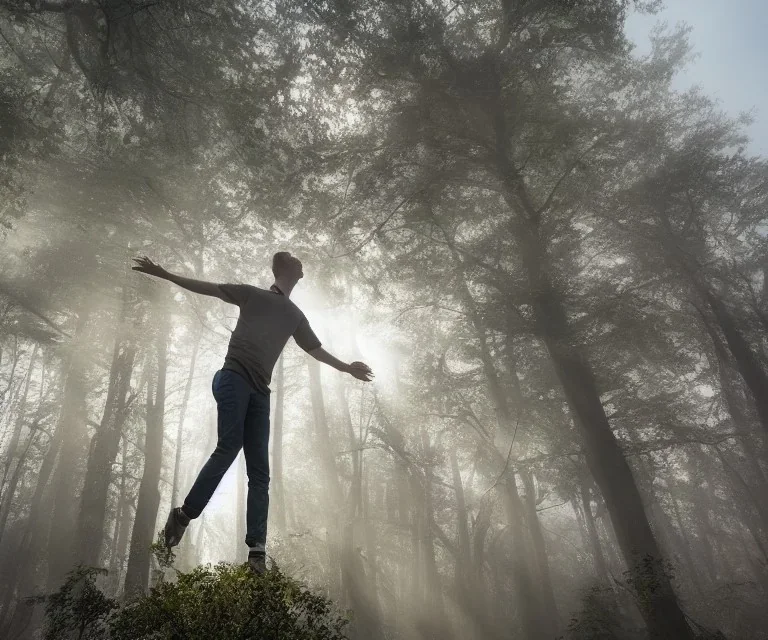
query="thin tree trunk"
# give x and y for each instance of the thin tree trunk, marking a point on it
(18, 426)
(355, 582)
(747, 362)
(434, 590)
(601, 569)
(182, 415)
(463, 574)
(371, 550)
(103, 449)
(69, 470)
(528, 591)
(540, 549)
(18, 576)
(466, 584)
(34, 432)
(189, 553)
(139, 557)
(746, 491)
(330, 476)
(685, 541)
(9, 489)
(123, 519)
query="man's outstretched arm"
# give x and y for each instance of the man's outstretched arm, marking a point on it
(359, 370)
(145, 265)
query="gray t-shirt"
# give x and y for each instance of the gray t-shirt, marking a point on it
(267, 319)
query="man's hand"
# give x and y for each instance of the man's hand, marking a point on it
(360, 370)
(145, 265)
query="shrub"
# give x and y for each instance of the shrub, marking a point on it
(226, 602)
(598, 619)
(78, 610)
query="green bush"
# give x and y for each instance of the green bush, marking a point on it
(598, 619)
(226, 602)
(78, 610)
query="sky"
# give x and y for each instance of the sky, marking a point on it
(731, 40)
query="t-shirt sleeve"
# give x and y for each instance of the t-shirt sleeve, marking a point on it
(236, 293)
(305, 337)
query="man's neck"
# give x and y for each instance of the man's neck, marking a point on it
(285, 286)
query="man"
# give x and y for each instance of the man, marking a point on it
(241, 389)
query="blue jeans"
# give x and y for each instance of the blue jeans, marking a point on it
(243, 422)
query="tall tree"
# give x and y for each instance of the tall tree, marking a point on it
(137, 574)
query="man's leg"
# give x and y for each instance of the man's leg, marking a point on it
(231, 392)
(256, 449)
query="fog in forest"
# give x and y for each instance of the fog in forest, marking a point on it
(549, 247)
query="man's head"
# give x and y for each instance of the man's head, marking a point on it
(286, 266)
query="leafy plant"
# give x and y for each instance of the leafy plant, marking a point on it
(226, 602)
(598, 619)
(78, 610)
(229, 602)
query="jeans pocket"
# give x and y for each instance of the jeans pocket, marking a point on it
(225, 388)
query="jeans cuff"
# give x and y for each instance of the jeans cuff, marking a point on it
(191, 511)
(256, 546)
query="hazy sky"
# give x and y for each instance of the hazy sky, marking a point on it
(731, 39)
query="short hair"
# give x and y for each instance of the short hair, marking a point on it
(280, 261)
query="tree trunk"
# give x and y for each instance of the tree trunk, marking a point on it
(601, 569)
(330, 476)
(18, 576)
(139, 557)
(371, 551)
(34, 432)
(685, 542)
(469, 594)
(103, 449)
(746, 493)
(16, 434)
(463, 574)
(660, 607)
(9, 489)
(182, 415)
(540, 549)
(67, 478)
(434, 590)
(189, 554)
(123, 520)
(747, 362)
(528, 591)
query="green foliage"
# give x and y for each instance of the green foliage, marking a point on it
(647, 578)
(221, 603)
(598, 619)
(78, 610)
(229, 602)
(164, 555)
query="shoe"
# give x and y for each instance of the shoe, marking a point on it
(175, 527)
(257, 562)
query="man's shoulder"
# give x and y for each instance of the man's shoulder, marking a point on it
(294, 309)
(258, 290)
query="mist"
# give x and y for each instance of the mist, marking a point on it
(541, 226)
